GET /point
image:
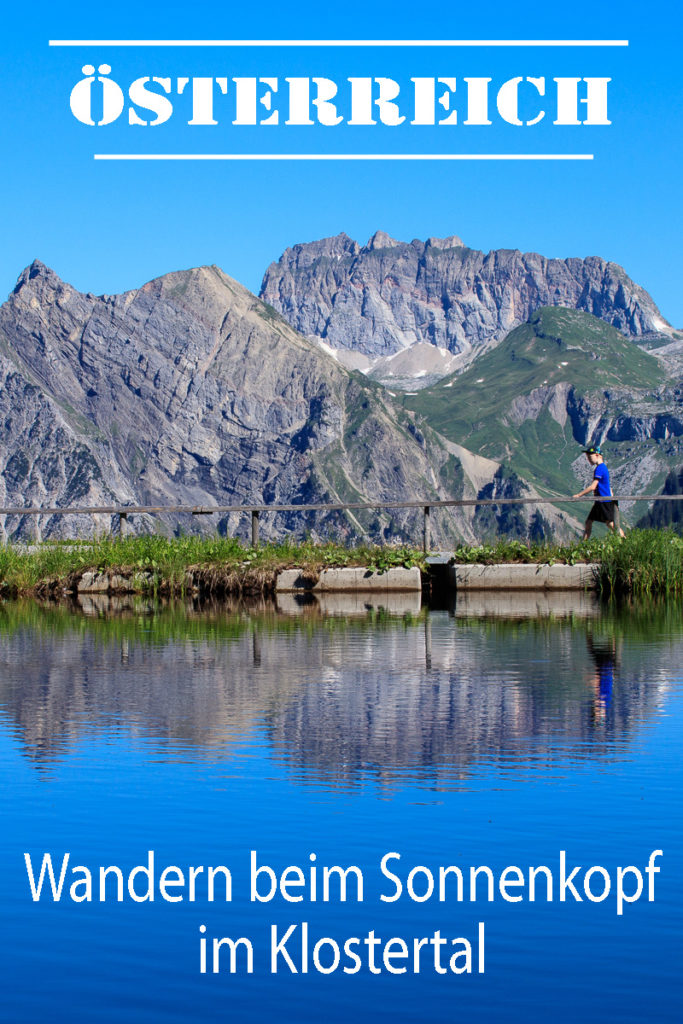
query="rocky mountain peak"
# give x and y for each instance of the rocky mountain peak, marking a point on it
(37, 277)
(206, 293)
(306, 254)
(452, 242)
(381, 240)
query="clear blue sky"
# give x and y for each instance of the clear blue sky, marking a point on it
(106, 227)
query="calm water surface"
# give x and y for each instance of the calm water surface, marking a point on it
(469, 736)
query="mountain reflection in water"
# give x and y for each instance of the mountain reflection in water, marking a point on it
(338, 698)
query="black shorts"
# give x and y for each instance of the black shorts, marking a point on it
(603, 511)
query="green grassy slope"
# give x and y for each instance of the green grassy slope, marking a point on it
(483, 408)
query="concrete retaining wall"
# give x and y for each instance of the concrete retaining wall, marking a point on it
(523, 577)
(357, 580)
(471, 577)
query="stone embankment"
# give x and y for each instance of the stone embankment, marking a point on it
(108, 582)
(353, 580)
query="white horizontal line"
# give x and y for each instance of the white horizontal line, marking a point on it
(343, 156)
(338, 42)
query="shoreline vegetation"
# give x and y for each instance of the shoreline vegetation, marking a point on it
(646, 562)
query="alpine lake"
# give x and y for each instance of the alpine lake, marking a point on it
(341, 810)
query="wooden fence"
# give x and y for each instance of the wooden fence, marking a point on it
(255, 511)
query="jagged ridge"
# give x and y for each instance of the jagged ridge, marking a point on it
(387, 296)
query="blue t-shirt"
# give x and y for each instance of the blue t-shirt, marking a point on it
(601, 474)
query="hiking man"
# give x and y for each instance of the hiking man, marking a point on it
(602, 511)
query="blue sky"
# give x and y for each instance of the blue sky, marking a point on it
(109, 226)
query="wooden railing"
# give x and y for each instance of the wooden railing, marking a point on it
(123, 511)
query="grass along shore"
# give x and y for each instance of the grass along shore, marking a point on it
(646, 562)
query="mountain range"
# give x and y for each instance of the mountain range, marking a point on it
(410, 312)
(192, 391)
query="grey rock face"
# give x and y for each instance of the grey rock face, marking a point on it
(191, 391)
(388, 295)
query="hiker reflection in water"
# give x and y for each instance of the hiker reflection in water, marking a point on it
(603, 651)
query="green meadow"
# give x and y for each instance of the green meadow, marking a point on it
(646, 562)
